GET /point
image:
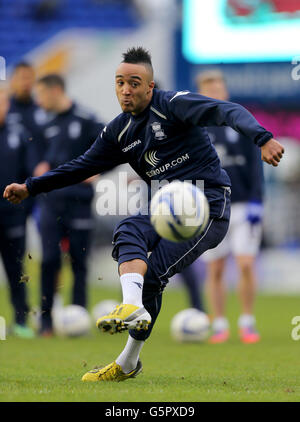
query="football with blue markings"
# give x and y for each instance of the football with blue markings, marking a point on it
(71, 321)
(179, 211)
(190, 325)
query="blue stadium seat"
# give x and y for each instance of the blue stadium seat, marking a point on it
(21, 31)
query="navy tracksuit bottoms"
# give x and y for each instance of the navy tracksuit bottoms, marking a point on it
(58, 219)
(12, 248)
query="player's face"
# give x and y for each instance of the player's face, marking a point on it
(4, 106)
(22, 82)
(46, 97)
(134, 87)
(215, 88)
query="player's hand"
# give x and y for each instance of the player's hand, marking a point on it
(272, 152)
(16, 193)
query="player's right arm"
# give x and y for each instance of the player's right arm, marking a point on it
(103, 155)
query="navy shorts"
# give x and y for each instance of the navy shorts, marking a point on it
(135, 238)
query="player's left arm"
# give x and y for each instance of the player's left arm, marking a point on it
(199, 110)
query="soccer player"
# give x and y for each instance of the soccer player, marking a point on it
(240, 158)
(167, 126)
(65, 213)
(23, 110)
(15, 164)
(193, 278)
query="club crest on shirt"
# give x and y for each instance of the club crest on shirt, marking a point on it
(41, 117)
(51, 131)
(13, 140)
(159, 133)
(74, 129)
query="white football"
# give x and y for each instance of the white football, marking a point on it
(71, 321)
(190, 325)
(103, 308)
(179, 211)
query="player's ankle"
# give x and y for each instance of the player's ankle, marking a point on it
(220, 324)
(129, 357)
(128, 366)
(246, 320)
(134, 302)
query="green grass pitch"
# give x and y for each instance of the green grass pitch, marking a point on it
(51, 369)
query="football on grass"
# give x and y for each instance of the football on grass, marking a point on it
(190, 325)
(103, 308)
(71, 321)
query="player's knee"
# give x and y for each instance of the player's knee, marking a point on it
(216, 271)
(133, 266)
(246, 264)
(127, 231)
(129, 247)
(51, 261)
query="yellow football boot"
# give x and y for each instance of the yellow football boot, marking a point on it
(111, 372)
(124, 317)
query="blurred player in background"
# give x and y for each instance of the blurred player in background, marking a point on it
(15, 164)
(24, 112)
(241, 159)
(65, 213)
(23, 109)
(170, 124)
(193, 277)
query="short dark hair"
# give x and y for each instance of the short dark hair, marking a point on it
(51, 80)
(137, 55)
(21, 65)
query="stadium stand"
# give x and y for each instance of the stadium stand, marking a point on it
(27, 23)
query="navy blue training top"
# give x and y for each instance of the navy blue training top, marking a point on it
(167, 141)
(29, 115)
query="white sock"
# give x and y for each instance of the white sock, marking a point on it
(132, 288)
(246, 320)
(220, 324)
(128, 359)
